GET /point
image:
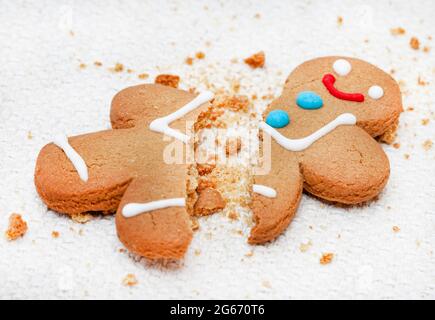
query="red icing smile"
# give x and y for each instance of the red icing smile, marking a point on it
(329, 80)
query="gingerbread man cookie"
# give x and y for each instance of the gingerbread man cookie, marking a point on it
(123, 170)
(322, 131)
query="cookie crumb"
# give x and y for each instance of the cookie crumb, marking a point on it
(143, 76)
(233, 146)
(17, 227)
(426, 49)
(200, 55)
(249, 254)
(130, 70)
(233, 215)
(98, 63)
(396, 145)
(235, 86)
(168, 80)
(414, 43)
(421, 82)
(129, 280)
(406, 156)
(326, 258)
(82, 66)
(257, 16)
(119, 67)
(340, 21)
(256, 60)
(195, 224)
(427, 145)
(209, 201)
(81, 217)
(197, 252)
(189, 61)
(238, 232)
(410, 109)
(122, 250)
(29, 135)
(397, 31)
(425, 122)
(396, 229)
(303, 247)
(55, 234)
(266, 284)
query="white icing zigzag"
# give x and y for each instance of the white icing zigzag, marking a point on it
(303, 143)
(162, 124)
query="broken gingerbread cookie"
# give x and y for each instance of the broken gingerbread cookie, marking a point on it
(123, 170)
(321, 137)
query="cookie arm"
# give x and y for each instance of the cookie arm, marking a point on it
(273, 215)
(346, 166)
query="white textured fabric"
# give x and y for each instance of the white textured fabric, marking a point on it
(43, 90)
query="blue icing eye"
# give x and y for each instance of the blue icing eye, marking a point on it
(278, 119)
(309, 100)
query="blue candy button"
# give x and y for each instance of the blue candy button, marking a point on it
(277, 119)
(309, 100)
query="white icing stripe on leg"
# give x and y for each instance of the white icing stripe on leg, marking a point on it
(264, 190)
(303, 143)
(79, 164)
(162, 124)
(134, 209)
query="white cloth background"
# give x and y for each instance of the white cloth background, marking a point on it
(43, 90)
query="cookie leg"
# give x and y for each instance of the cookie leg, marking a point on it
(158, 234)
(346, 166)
(273, 215)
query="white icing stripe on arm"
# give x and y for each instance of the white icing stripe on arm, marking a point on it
(303, 143)
(79, 164)
(264, 190)
(162, 124)
(134, 209)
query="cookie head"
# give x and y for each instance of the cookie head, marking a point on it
(336, 85)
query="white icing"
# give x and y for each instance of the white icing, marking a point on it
(162, 124)
(264, 190)
(376, 92)
(342, 67)
(134, 209)
(303, 143)
(79, 164)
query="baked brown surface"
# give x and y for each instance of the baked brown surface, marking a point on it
(126, 164)
(347, 165)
